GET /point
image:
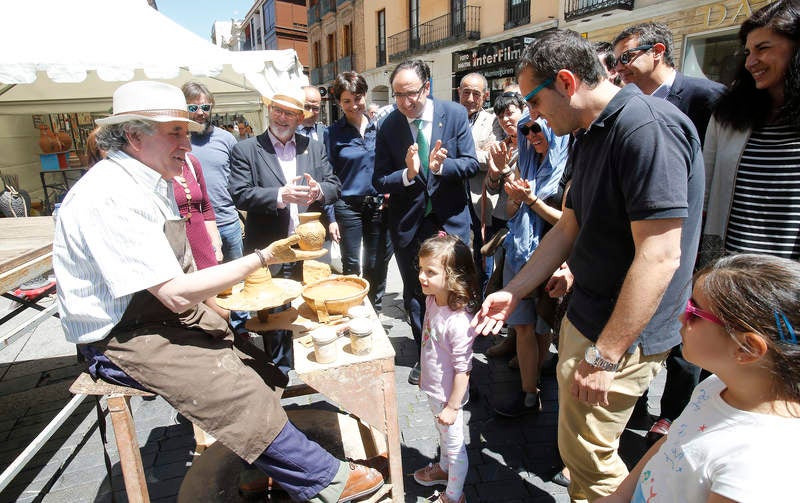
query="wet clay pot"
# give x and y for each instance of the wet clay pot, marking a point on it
(65, 139)
(48, 141)
(310, 231)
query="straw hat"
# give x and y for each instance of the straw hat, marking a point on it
(289, 96)
(150, 101)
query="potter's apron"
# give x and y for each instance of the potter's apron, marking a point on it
(190, 360)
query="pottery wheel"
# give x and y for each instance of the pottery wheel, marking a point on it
(260, 291)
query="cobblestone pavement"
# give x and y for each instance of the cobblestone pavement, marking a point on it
(511, 460)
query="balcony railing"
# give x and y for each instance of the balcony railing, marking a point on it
(574, 9)
(313, 14)
(518, 13)
(316, 76)
(439, 32)
(329, 71)
(345, 64)
(326, 6)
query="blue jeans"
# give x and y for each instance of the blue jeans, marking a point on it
(360, 221)
(231, 235)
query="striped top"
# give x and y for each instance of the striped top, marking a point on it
(110, 243)
(765, 213)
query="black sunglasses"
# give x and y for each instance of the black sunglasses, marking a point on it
(193, 108)
(627, 56)
(530, 128)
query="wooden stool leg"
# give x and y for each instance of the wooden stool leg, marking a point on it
(129, 455)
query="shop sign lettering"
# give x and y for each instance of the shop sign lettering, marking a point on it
(719, 14)
(506, 52)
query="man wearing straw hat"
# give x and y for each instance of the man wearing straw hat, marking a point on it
(275, 176)
(130, 298)
(280, 173)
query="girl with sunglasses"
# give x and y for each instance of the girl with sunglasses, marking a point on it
(737, 439)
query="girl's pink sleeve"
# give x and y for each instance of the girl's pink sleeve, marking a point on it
(460, 336)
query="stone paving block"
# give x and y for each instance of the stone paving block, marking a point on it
(504, 490)
(16, 385)
(165, 488)
(173, 456)
(17, 404)
(35, 367)
(167, 471)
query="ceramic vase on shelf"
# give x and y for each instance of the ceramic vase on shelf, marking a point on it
(311, 231)
(64, 139)
(48, 142)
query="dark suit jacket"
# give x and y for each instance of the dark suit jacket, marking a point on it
(256, 176)
(447, 191)
(696, 98)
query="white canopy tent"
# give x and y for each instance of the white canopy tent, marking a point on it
(69, 56)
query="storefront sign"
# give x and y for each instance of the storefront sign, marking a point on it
(504, 53)
(719, 14)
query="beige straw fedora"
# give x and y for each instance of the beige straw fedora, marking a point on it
(150, 101)
(289, 96)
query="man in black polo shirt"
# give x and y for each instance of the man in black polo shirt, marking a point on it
(629, 233)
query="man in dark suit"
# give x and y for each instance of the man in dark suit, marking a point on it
(424, 155)
(280, 173)
(275, 176)
(644, 58)
(311, 126)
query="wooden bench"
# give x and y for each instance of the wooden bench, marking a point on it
(119, 407)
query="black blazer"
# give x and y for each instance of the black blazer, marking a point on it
(447, 191)
(697, 98)
(256, 176)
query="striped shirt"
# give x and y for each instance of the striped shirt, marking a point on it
(765, 213)
(110, 243)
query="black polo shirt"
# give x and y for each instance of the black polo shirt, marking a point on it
(639, 160)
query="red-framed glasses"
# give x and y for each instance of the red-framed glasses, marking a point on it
(693, 311)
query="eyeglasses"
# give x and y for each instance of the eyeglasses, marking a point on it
(530, 128)
(538, 88)
(414, 95)
(312, 108)
(627, 56)
(286, 113)
(205, 107)
(508, 94)
(692, 311)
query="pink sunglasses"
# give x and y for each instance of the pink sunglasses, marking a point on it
(692, 311)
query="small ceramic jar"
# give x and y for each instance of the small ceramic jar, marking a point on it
(325, 349)
(361, 335)
(358, 312)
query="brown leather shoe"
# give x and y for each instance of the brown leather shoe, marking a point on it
(379, 462)
(362, 481)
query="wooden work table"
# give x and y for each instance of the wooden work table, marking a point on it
(26, 249)
(363, 385)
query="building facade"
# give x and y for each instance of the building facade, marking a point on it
(456, 37)
(276, 25)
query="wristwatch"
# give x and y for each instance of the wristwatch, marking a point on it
(595, 359)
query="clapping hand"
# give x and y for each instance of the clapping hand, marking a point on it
(294, 192)
(437, 157)
(412, 161)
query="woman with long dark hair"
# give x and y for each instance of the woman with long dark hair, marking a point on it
(752, 148)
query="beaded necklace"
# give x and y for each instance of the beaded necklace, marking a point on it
(183, 183)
